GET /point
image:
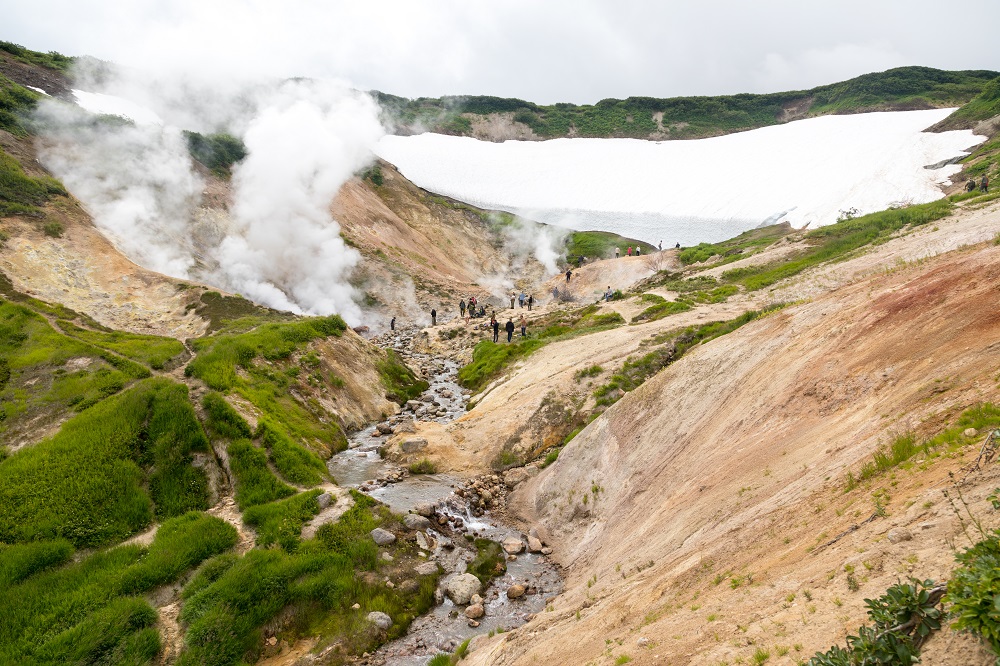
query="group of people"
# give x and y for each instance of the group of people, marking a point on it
(471, 307)
(508, 327)
(984, 184)
(522, 299)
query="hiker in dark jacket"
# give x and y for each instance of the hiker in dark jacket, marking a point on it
(392, 324)
(510, 329)
(531, 301)
(434, 317)
(984, 184)
(461, 307)
(496, 329)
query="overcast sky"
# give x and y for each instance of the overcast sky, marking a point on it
(570, 50)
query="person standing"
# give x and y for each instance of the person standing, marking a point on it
(461, 307)
(434, 317)
(520, 300)
(660, 246)
(984, 184)
(531, 301)
(524, 327)
(513, 297)
(630, 250)
(677, 247)
(392, 324)
(617, 252)
(637, 250)
(569, 274)
(509, 327)
(496, 329)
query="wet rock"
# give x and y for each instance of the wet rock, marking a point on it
(380, 619)
(461, 588)
(475, 611)
(413, 445)
(438, 596)
(383, 429)
(534, 545)
(414, 522)
(426, 568)
(476, 599)
(898, 535)
(324, 500)
(383, 537)
(515, 591)
(423, 543)
(513, 545)
(473, 624)
(425, 509)
(413, 405)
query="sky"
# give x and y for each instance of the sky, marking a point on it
(578, 51)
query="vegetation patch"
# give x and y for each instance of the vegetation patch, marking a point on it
(89, 612)
(490, 561)
(221, 420)
(255, 484)
(397, 378)
(218, 152)
(423, 466)
(838, 240)
(739, 247)
(281, 522)
(489, 359)
(660, 310)
(86, 484)
(151, 350)
(20, 194)
(601, 245)
(293, 461)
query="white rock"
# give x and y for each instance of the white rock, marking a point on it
(383, 537)
(513, 545)
(380, 619)
(461, 588)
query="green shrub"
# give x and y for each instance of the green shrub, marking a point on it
(86, 483)
(255, 484)
(21, 194)
(397, 378)
(974, 589)
(222, 420)
(424, 466)
(490, 561)
(88, 611)
(218, 152)
(294, 462)
(151, 350)
(281, 522)
(660, 310)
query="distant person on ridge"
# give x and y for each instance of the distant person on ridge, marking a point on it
(520, 300)
(677, 247)
(637, 250)
(617, 252)
(434, 317)
(524, 327)
(392, 324)
(608, 294)
(984, 184)
(496, 329)
(509, 327)
(569, 274)
(660, 246)
(461, 307)
(630, 250)
(513, 297)
(970, 185)
(531, 301)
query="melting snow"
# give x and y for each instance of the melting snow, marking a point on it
(39, 90)
(804, 172)
(116, 106)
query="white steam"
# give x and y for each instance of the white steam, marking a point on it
(135, 180)
(284, 249)
(281, 247)
(524, 238)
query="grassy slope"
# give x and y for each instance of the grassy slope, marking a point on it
(694, 117)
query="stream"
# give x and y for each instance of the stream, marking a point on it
(445, 626)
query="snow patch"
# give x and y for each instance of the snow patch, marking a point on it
(116, 106)
(38, 90)
(803, 172)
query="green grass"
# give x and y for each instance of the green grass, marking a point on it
(253, 364)
(737, 247)
(490, 561)
(423, 466)
(20, 561)
(51, 60)
(296, 463)
(89, 612)
(255, 484)
(87, 483)
(151, 350)
(660, 310)
(489, 359)
(222, 421)
(397, 378)
(281, 522)
(983, 106)
(230, 599)
(21, 194)
(601, 245)
(839, 240)
(218, 152)
(16, 105)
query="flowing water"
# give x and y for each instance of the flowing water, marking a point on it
(445, 626)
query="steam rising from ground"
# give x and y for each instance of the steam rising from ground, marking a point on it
(543, 242)
(305, 139)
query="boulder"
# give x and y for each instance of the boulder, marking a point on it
(380, 619)
(534, 545)
(413, 445)
(513, 477)
(405, 425)
(324, 500)
(513, 545)
(475, 611)
(414, 522)
(423, 543)
(413, 405)
(426, 568)
(898, 535)
(970, 432)
(383, 429)
(425, 509)
(383, 537)
(461, 588)
(515, 591)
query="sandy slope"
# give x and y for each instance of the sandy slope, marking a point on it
(732, 462)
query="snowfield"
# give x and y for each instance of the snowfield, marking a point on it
(116, 106)
(706, 190)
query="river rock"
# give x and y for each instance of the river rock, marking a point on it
(426, 568)
(513, 477)
(513, 545)
(476, 599)
(406, 425)
(970, 432)
(384, 429)
(475, 611)
(534, 545)
(413, 445)
(425, 509)
(414, 522)
(383, 537)
(413, 405)
(546, 551)
(515, 591)
(423, 543)
(380, 619)
(324, 500)
(461, 588)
